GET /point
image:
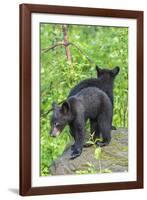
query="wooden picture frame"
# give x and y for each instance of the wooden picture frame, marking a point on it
(26, 11)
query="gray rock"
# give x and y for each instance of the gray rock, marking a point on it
(113, 158)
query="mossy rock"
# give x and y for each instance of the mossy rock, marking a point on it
(114, 158)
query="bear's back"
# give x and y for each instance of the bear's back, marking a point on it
(91, 101)
(105, 86)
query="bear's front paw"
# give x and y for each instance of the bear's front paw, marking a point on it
(75, 153)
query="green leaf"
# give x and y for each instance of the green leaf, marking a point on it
(97, 153)
(90, 142)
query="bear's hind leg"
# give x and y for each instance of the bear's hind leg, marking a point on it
(106, 138)
(105, 129)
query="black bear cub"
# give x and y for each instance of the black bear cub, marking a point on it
(105, 82)
(90, 103)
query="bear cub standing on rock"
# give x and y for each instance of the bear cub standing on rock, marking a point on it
(90, 103)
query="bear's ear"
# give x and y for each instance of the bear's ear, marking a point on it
(65, 107)
(115, 71)
(98, 69)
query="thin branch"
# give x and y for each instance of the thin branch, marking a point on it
(82, 52)
(45, 50)
(67, 44)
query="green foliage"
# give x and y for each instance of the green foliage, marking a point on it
(97, 153)
(107, 46)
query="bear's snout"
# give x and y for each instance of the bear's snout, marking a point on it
(55, 132)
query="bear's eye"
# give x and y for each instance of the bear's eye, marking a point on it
(56, 124)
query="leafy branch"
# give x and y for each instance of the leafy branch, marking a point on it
(66, 44)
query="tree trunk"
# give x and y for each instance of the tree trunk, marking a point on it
(68, 54)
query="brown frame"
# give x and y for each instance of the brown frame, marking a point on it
(25, 99)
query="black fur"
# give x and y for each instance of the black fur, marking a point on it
(105, 82)
(90, 103)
